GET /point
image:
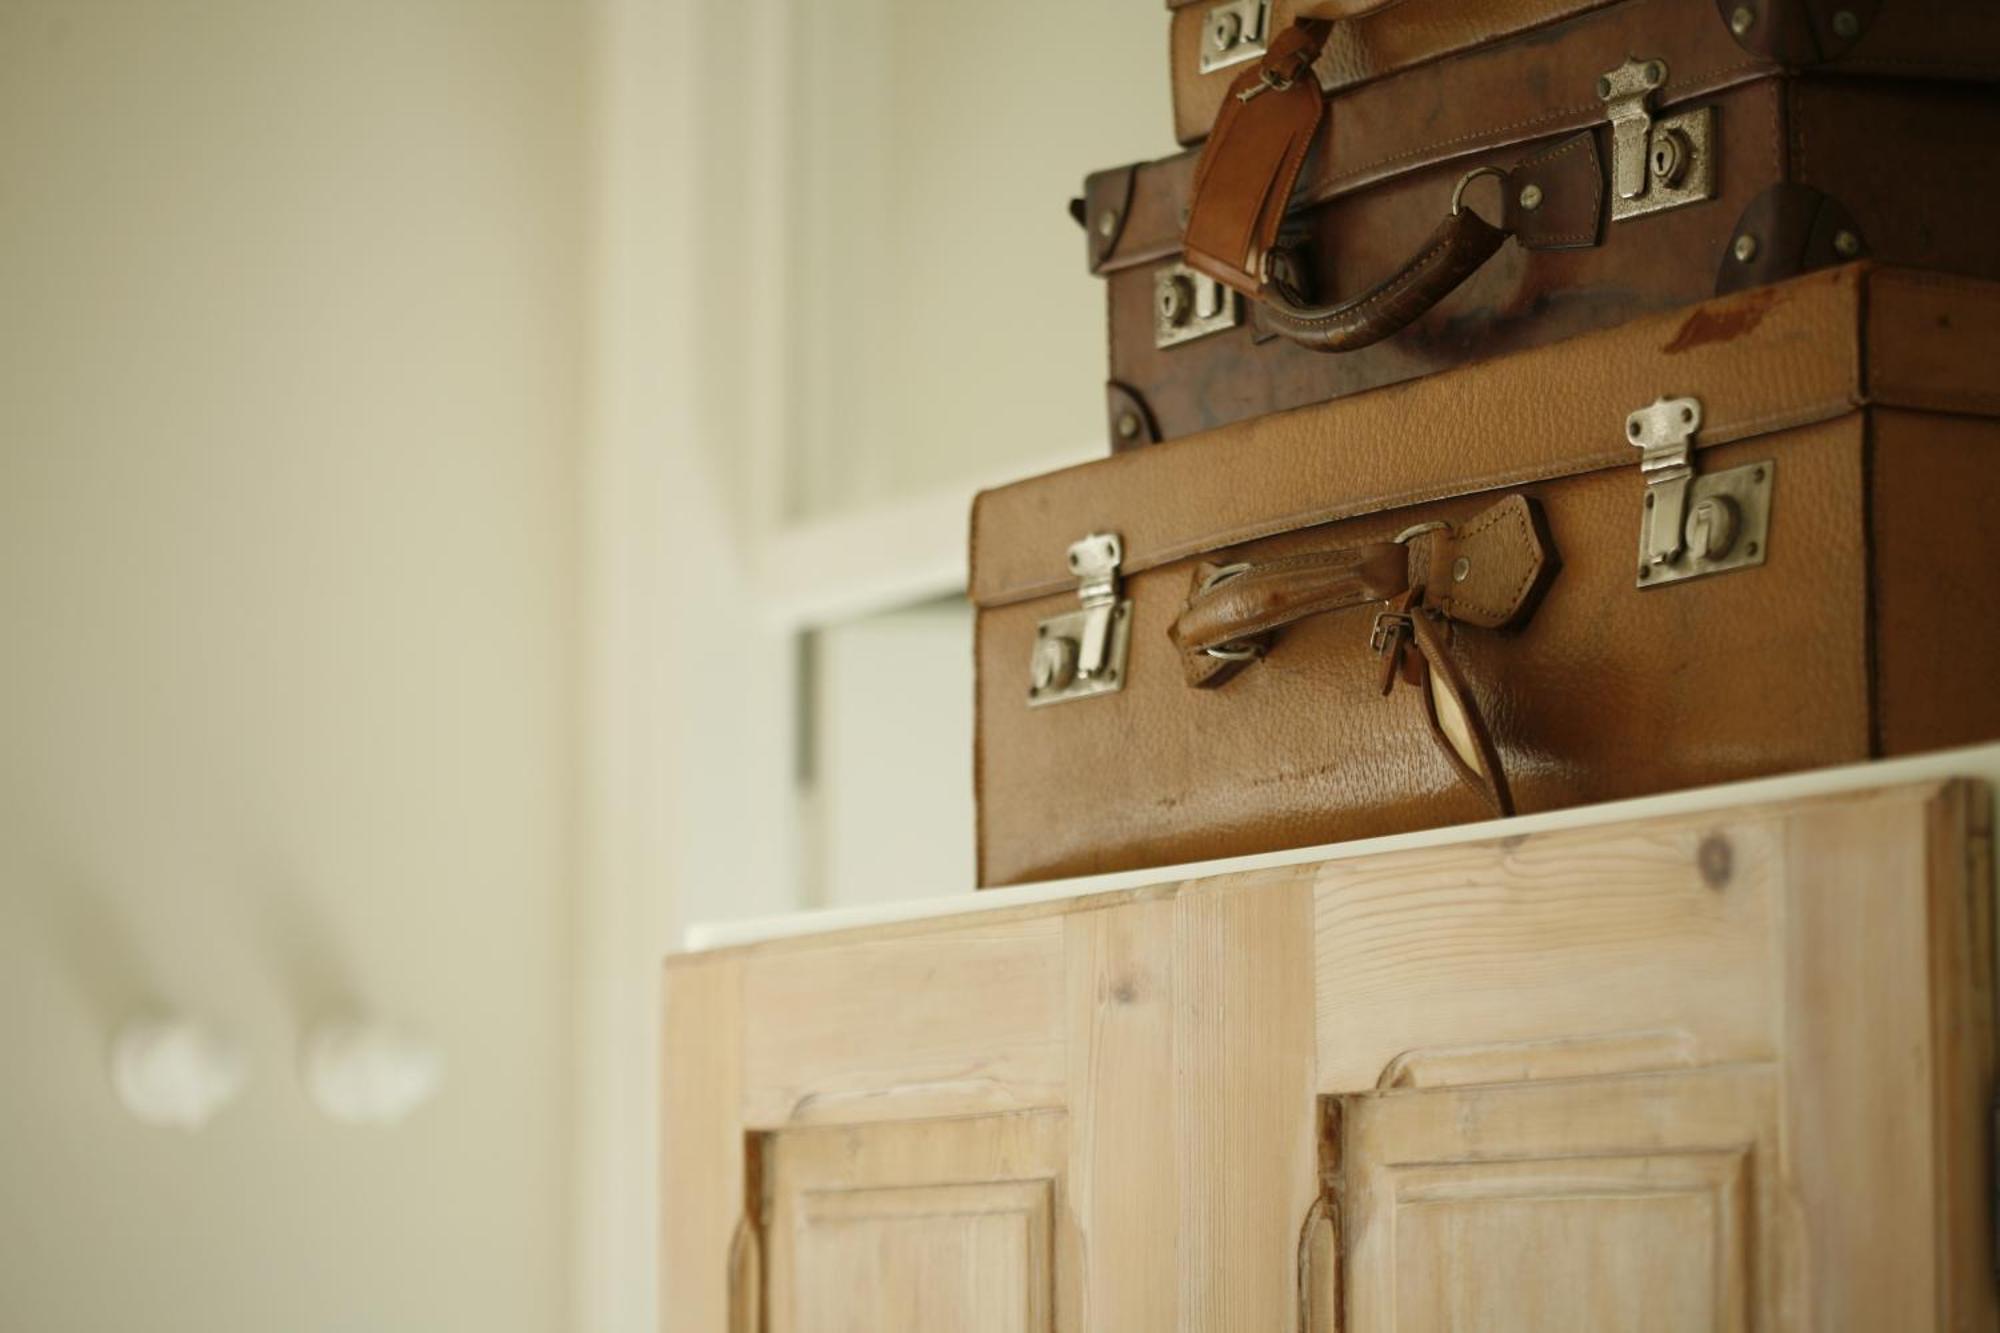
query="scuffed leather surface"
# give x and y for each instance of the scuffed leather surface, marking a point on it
(1360, 49)
(1246, 170)
(1903, 149)
(1608, 692)
(1516, 301)
(1449, 255)
(1937, 604)
(1760, 360)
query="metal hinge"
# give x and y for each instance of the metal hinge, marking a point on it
(1655, 164)
(1083, 652)
(1234, 32)
(1189, 305)
(1694, 524)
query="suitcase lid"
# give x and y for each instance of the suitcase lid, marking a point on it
(1764, 360)
(1538, 86)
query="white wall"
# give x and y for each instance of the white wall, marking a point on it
(945, 324)
(290, 296)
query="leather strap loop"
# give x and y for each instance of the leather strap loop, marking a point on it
(1488, 572)
(1243, 182)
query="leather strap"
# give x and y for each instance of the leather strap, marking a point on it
(1489, 573)
(1243, 182)
(1253, 157)
(1462, 242)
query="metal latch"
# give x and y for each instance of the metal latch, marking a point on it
(1694, 524)
(1189, 305)
(1083, 652)
(1655, 164)
(1234, 32)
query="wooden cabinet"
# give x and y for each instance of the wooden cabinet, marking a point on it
(1707, 1072)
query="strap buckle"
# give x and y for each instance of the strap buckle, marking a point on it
(1390, 629)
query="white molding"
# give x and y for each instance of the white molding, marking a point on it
(879, 557)
(1981, 762)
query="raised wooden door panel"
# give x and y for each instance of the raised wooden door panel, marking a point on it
(1643, 1203)
(911, 1228)
(1718, 1071)
(1701, 1073)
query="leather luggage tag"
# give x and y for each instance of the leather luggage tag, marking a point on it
(1253, 157)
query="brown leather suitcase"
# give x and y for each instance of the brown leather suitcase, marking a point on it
(1213, 39)
(1183, 651)
(1634, 157)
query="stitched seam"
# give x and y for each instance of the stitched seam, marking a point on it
(1397, 286)
(1437, 146)
(1520, 537)
(1575, 143)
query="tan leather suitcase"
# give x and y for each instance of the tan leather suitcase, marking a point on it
(1631, 157)
(1183, 651)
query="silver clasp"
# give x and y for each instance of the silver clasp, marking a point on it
(1655, 164)
(1694, 524)
(1083, 652)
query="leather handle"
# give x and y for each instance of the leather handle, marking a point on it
(1243, 183)
(1454, 252)
(1488, 572)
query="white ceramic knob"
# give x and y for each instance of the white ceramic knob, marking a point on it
(174, 1072)
(369, 1073)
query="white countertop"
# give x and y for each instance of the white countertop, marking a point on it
(1982, 761)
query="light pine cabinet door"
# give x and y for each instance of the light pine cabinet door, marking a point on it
(1711, 1072)
(905, 1228)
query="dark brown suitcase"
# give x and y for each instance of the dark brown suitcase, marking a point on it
(1213, 39)
(1747, 157)
(1182, 651)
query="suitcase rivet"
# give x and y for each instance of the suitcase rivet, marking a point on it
(1846, 244)
(1742, 20)
(1745, 248)
(1531, 197)
(1656, 72)
(1461, 568)
(1128, 425)
(1846, 24)
(1107, 222)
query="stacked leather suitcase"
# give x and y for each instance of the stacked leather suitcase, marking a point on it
(1513, 404)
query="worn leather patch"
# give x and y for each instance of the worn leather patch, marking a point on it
(1793, 229)
(1566, 184)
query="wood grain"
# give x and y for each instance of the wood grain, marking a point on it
(1613, 940)
(966, 1020)
(1125, 1169)
(1567, 1207)
(702, 1145)
(1246, 1120)
(1728, 1071)
(920, 1227)
(1888, 1056)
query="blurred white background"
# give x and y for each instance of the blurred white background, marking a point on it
(482, 486)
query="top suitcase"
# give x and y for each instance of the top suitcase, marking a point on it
(1632, 157)
(1213, 39)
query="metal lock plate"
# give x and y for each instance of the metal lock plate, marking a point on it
(1233, 33)
(1083, 652)
(1655, 164)
(1692, 523)
(1189, 305)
